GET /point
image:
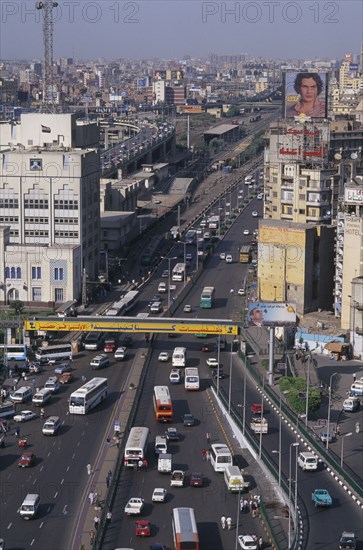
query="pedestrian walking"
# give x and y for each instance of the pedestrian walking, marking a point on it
(260, 543)
(89, 469)
(96, 521)
(92, 537)
(108, 441)
(354, 377)
(241, 507)
(207, 436)
(108, 481)
(109, 474)
(223, 522)
(245, 506)
(140, 465)
(207, 456)
(229, 523)
(204, 453)
(91, 497)
(108, 517)
(17, 431)
(145, 464)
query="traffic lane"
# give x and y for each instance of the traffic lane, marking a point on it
(343, 512)
(211, 502)
(59, 475)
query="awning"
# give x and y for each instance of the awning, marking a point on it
(336, 347)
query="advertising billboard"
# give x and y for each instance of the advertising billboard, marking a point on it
(305, 94)
(271, 314)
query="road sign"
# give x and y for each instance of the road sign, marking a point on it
(322, 422)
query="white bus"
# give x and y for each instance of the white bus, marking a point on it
(178, 273)
(185, 531)
(7, 409)
(128, 301)
(13, 352)
(179, 358)
(52, 354)
(88, 396)
(220, 457)
(191, 378)
(136, 446)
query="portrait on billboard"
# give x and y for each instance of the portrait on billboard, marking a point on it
(305, 94)
(271, 314)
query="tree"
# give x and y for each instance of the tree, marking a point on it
(295, 391)
(17, 306)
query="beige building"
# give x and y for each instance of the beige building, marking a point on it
(295, 264)
(49, 201)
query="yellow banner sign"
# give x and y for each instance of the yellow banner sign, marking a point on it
(137, 325)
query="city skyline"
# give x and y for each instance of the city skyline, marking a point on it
(143, 30)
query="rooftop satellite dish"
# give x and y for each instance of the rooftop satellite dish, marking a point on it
(354, 156)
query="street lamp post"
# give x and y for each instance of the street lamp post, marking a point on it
(185, 270)
(342, 451)
(278, 453)
(307, 391)
(238, 511)
(329, 407)
(290, 480)
(230, 380)
(218, 359)
(169, 260)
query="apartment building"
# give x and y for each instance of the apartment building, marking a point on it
(49, 207)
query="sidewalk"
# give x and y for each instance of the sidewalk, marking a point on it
(108, 460)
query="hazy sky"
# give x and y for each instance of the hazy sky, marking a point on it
(171, 29)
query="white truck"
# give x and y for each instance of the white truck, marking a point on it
(164, 463)
(134, 506)
(259, 425)
(177, 478)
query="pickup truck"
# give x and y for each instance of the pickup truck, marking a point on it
(177, 478)
(134, 506)
(259, 425)
(321, 497)
(164, 463)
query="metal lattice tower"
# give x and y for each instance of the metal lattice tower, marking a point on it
(48, 90)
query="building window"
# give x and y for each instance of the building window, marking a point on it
(18, 272)
(58, 294)
(36, 272)
(12, 273)
(7, 273)
(36, 294)
(58, 273)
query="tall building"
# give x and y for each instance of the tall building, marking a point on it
(49, 207)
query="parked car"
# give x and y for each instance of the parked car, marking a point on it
(241, 292)
(254, 215)
(188, 419)
(196, 479)
(246, 231)
(163, 356)
(324, 437)
(187, 308)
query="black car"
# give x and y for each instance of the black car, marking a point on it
(172, 434)
(126, 342)
(188, 419)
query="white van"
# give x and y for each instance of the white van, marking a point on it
(51, 425)
(41, 397)
(179, 358)
(22, 395)
(30, 506)
(161, 445)
(307, 461)
(52, 384)
(234, 479)
(357, 388)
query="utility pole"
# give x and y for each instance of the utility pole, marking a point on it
(84, 287)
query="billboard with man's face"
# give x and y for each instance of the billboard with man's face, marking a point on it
(271, 314)
(305, 94)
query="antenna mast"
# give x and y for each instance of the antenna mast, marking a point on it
(48, 87)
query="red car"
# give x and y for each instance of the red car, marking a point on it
(26, 460)
(196, 479)
(256, 408)
(208, 347)
(109, 347)
(142, 528)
